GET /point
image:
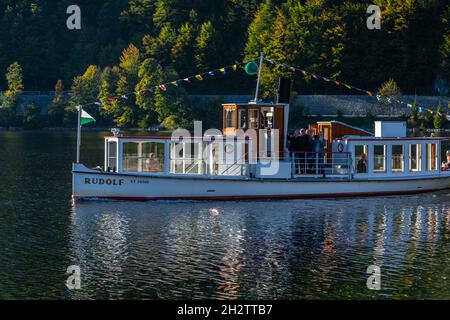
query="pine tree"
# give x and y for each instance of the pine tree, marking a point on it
(208, 46)
(15, 81)
(128, 79)
(56, 109)
(182, 51)
(439, 119)
(84, 90)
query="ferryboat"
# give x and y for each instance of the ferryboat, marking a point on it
(238, 165)
(250, 159)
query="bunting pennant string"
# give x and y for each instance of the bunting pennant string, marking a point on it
(389, 99)
(163, 87)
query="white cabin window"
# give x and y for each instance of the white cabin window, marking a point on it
(187, 158)
(229, 118)
(112, 155)
(151, 158)
(242, 119)
(432, 159)
(379, 158)
(415, 157)
(397, 158)
(130, 158)
(143, 157)
(361, 158)
(253, 119)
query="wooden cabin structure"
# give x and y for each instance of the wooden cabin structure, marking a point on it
(336, 129)
(261, 117)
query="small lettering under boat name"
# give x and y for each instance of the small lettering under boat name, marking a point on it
(101, 181)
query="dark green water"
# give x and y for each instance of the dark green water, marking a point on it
(266, 249)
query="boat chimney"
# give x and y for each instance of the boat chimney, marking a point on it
(283, 90)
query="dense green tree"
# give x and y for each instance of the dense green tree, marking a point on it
(182, 51)
(208, 46)
(15, 81)
(56, 109)
(439, 119)
(84, 91)
(160, 106)
(388, 94)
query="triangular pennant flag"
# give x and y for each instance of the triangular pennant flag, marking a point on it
(326, 79)
(222, 70)
(314, 75)
(369, 93)
(86, 118)
(211, 73)
(234, 67)
(303, 72)
(292, 69)
(162, 87)
(124, 96)
(199, 77)
(187, 80)
(409, 105)
(150, 89)
(336, 82)
(269, 61)
(174, 83)
(112, 99)
(98, 103)
(348, 86)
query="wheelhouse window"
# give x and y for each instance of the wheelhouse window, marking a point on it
(112, 156)
(229, 118)
(397, 158)
(242, 119)
(253, 119)
(432, 159)
(379, 158)
(361, 164)
(415, 158)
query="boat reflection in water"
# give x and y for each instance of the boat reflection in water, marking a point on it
(268, 249)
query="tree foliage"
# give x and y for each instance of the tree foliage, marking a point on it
(125, 46)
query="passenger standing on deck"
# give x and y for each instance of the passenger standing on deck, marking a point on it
(318, 151)
(294, 148)
(303, 146)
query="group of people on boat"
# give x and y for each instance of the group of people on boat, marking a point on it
(308, 151)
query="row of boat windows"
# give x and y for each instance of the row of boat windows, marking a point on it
(379, 158)
(185, 158)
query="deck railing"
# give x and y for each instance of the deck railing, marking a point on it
(321, 163)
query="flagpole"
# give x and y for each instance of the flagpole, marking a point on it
(79, 108)
(261, 58)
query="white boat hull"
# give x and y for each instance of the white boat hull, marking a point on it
(97, 184)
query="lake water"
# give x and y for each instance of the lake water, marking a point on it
(297, 249)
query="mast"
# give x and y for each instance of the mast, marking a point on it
(261, 59)
(78, 133)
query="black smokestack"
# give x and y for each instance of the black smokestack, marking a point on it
(284, 90)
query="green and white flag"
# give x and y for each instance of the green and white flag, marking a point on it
(86, 118)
